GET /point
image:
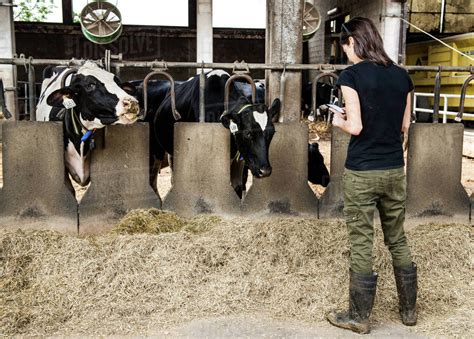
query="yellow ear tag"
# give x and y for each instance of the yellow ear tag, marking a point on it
(68, 103)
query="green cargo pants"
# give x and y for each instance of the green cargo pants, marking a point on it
(363, 192)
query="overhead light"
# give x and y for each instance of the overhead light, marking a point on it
(333, 11)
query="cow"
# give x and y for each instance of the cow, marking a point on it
(251, 125)
(91, 99)
(323, 96)
(251, 128)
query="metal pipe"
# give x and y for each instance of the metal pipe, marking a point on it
(315, 89)
(227, 89)
(441, 17)
(176, 114)
(437, 90)
(282, 92)
(32, 92)
(445, 109)
(463, 98)
(202, 103)
(215, 65)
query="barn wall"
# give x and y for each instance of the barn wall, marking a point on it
(320, 44)
(56, 41)
(459, 16)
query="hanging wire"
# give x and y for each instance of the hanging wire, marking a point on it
(435, 38)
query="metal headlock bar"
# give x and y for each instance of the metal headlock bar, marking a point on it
(315, 88)
(176, 114)
(463, 96)
(231, 81)
(255, 66)
(437, 92)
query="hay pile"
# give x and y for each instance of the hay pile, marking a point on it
(320, 129)
(129, 282)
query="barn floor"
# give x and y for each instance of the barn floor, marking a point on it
(160, 275)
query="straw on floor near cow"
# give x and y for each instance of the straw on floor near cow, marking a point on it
(157, 270)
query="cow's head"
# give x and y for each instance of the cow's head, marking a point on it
(252, 129)
(99, 98)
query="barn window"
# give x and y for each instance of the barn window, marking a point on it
(238, 13)
(147, 12)
(38, 10)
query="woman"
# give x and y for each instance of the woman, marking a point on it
(377, 110)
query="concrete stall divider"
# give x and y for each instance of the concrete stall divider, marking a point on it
(34, 194)
(119, 178)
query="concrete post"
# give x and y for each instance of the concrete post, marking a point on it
(285, 45)
(435, 150)
(204, 33)
(119, 178)
(201, 171)
(7, 49)
(331, 202)
(391, 28)
(34, 195)
(286, 190)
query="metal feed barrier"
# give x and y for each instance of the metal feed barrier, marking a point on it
(121, 182)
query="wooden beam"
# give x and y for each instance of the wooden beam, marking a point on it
(192, 13)
(67, 12)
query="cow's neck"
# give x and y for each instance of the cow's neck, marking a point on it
(75, 131)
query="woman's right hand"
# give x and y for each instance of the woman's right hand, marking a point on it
(338, 119)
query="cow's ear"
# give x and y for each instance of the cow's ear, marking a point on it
(129, 88)
(56, 99)
(274, 110)
(226, 118)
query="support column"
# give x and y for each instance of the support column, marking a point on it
(204, 34)
(285, 45)
(391, 32)
(67, 12)
(7, 49)
(286, 190)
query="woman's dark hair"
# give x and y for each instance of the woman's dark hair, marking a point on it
(368, 44)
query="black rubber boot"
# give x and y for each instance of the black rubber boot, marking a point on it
(362, 289)
(406, 279)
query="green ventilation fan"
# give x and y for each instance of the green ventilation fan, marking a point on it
(311, 21)
(101, 22)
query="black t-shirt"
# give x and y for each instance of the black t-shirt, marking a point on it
(382, 94)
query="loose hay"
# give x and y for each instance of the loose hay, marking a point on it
(129, 282)
(320, 129)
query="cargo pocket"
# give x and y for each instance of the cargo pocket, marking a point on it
(353, 216)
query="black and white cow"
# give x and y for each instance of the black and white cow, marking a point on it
(251, 125)
(323, 96)
(91, 99)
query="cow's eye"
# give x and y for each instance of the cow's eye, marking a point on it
(91, 86)
(248, 134)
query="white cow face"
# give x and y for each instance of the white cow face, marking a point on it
(98, 98)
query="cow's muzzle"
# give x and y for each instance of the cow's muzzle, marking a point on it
(131, 109)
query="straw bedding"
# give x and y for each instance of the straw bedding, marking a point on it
(158, 270)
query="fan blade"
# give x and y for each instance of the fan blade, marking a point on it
(93, 25)
(108, 26)
(92, 13)
(106, 15)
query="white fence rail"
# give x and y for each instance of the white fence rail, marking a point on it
(444, 100)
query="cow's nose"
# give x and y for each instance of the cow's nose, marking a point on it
(130, 105)
(127, 103)
(265, 171)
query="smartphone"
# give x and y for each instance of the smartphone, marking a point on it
(336, 108)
